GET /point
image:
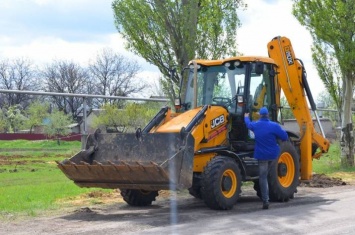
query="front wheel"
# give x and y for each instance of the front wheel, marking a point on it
(284, 176)
(136, 197)
(221, 183)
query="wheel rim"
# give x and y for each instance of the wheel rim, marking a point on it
(229, 178)
(288, 169)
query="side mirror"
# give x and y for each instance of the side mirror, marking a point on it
(177, 104)
(240, 99)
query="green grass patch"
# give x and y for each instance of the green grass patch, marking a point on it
(38, 147)
(31, 182)
(38, 144)
(330, 164)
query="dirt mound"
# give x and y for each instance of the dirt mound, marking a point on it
(84, 210)
(322, 181)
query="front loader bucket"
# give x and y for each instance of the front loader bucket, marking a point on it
(154, 161)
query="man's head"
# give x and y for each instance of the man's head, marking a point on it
(263, 112)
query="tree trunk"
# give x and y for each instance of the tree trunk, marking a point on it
(347, 136)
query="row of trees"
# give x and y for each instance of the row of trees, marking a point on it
(54, 122)
(128, 119)
(166, 34)
(108, 74)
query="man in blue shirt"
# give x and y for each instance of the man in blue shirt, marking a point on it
(266, 147)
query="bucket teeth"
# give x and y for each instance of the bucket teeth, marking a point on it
(156, 166)
(141, 166)
(126, 164)
(114, 165)
(96, 162)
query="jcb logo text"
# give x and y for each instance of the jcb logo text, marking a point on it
(217, 121)
(288, 56)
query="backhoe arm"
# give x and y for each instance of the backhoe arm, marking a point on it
(292, 80)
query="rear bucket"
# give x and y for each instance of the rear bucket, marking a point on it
(155, 161)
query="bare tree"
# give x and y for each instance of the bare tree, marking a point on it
(17, 74)
(114, 75)
(66, 77)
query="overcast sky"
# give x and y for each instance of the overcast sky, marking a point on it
(43, 30)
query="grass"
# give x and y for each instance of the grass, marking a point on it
(31, 183)
(39, 144)
(38, 148)
(330, 164)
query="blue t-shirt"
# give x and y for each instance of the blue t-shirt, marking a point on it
(266, 135)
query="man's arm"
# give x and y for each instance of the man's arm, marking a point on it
(282, 134)
(247, 121)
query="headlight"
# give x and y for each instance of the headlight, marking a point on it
(177, 102)
(192, 66)
(237, 63)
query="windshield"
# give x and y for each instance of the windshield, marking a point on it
(216, 85)
(220, 85)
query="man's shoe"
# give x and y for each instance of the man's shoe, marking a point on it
(265, 205)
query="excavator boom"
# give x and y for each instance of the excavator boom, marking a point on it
(293, 82)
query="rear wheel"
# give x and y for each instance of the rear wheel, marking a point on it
(221, 183)
(284, 176)
(137, 197)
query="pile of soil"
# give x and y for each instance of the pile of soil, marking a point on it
(322, 181)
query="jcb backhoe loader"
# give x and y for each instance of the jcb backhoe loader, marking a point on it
(205, 146)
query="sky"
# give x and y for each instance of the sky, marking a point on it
(76, 30)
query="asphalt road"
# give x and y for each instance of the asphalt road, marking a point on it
(312, 211)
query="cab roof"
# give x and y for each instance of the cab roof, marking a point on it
(240, 58)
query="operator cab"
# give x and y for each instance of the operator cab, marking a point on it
(240, 85)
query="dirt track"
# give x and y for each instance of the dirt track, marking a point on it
(119, 218)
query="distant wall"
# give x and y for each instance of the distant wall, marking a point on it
(327, 125)
(28, 136)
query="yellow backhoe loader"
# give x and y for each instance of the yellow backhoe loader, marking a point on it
(205, 146)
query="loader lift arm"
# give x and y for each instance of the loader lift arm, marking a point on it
(293, 82)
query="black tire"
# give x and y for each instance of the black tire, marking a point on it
(195, 189)
(221, 183)
(284, 176)
(195, 192)
(136, 197)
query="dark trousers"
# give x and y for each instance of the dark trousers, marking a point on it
(264, 169)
